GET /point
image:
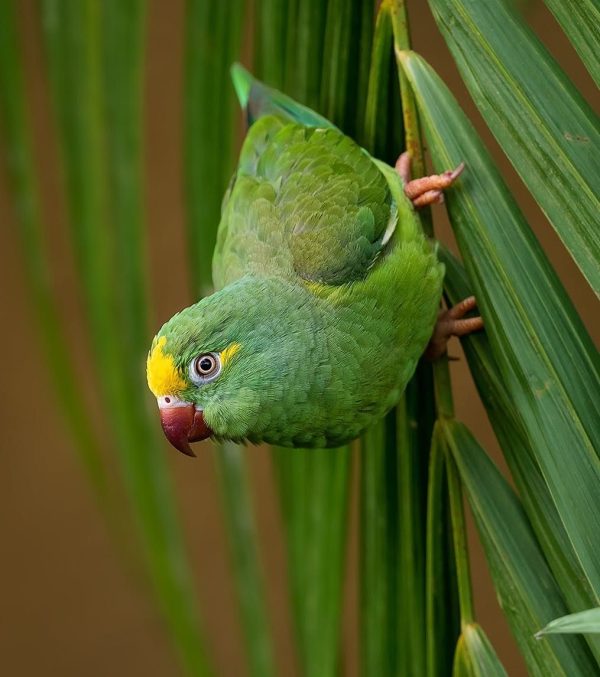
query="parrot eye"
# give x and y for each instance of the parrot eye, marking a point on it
(205, 368)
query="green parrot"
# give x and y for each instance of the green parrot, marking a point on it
(327, 291)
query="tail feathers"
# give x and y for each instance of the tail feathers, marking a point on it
(258, 100)
(242, 83)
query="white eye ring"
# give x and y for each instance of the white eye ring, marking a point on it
(205, 368)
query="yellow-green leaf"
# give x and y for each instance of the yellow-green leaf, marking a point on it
(475, 656)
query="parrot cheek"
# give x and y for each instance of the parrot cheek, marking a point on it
(234, 414)
(182, 423)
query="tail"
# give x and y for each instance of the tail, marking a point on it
(242, 83)
(258, 100)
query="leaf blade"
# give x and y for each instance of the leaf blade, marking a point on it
(540, 120)
(20, 169)
(475, 656)
(547, 360)
(243, 542)
(526, 589)
(74, 36)
(524, 468)
(580, 20)
(583, 621)
(212, 44)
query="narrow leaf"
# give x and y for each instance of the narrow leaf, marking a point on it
(525, 586)
(583, 621)
(394, 453)
(123, 48)
(381, 131)
(347, 41)
(379, 593)
(271, 18)
(429, 613)
(540, 120)
(243, 540)
(459, 539)
(505, 419)
(379, 551)
(423, 526)
(314, 483)
(19, 165)
(305, 62)
(315, 511)
(580, 20)
(548, 363)
(212, 44)
(74, 36)
(475, 656)
(442, 622)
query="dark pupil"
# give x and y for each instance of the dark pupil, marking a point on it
(206, 364)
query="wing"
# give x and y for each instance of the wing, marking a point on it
(305, 201)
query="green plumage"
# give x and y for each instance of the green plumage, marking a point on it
(325, 281)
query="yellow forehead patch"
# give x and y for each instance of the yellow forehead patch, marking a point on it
(161, 372)
(228, 353)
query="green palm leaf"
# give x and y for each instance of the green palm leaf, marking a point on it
(382, 644)
(20, 167)
(580, 20)
(526, 588)
(213, 37)
(76, 35)
(238, 509)
(441, 594)
(536, 498)
(212, 44)
(314, 484)
(540, 120)
(535, 367)
(548, 363)
(475, 656)
(583, 621)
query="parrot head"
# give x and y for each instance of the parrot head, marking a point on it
(215, 366)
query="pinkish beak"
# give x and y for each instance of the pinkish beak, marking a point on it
(182, 423)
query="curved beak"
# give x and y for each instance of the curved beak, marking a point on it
(182, 423)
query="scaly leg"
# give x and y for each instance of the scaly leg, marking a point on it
(428, 189)
(425, 191)
(452, 322)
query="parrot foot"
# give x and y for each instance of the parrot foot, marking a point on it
(428, 189)
(452, 322)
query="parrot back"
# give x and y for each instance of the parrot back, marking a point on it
(305, 202)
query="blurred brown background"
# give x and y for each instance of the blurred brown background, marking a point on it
(69, 607)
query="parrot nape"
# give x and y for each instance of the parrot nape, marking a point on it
(327, 291)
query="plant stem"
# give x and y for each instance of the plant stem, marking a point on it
(243, 541)
(213, 34)
(397, 9)
(442, 623)
(459, 534)
(313, 484)
(443, 388)
(412, 128)
(59, 360)
(441, 373)
(75, 36)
